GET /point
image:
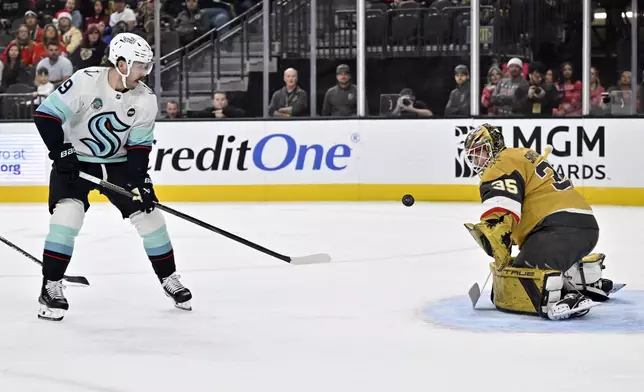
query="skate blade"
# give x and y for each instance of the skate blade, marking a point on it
(49, 314)
(474, 293)
(617, 287)
(572, 312)
(183, 306)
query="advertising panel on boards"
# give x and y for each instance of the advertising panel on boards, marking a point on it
(353, 159)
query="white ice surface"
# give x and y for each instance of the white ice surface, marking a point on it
(262, 325)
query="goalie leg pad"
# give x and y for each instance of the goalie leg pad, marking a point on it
(525, 290)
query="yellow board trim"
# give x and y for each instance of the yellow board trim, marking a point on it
(322, 192)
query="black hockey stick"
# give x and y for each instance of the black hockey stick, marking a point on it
(71, 279)
(311, 259)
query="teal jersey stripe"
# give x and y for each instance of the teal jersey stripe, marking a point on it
(83, 158)
(55, 106)
(140, 137)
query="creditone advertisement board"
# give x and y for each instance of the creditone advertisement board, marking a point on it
(348, 159)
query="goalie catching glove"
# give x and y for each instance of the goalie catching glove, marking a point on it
(494, 237)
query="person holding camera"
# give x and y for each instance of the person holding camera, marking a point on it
(538, 98)
(408, 107)
(459, 100)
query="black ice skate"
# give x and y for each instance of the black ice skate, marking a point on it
(180, 295)
(602, 289)
(571, 305)
(53, 303)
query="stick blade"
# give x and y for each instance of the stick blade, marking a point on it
(318, 258)
(81, 280)
(475, 294)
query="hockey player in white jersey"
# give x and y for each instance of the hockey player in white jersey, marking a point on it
(101, 121)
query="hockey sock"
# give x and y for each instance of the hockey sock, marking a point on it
(156, 241)
(64, 226)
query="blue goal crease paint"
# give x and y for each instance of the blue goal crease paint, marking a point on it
(623, 313)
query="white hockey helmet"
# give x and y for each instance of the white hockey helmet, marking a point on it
(130, 47)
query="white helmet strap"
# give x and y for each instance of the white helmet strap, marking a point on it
(124, 76)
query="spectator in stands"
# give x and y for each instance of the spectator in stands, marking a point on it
(43, 86)
(571, 92)
(172, 110)
(524, 70)
(24, 43)
(91, 50)
(59, 67)
(341, 99)
(105, 31)
(503, 95)
(216, 12)
(291, 100)
(99, 15)
(493, 77)
(621, 95)
(459, 100)
(72, 37)
(35, 31)
(40, 50)
(596, 93)
(220, 108)
(122, 14)
(76, 17)
(408, 107)
(550, 77)
(191, 23)
(145, 19)
(14, 71)
(539, 98)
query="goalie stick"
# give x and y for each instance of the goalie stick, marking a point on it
(475, 292)
(310, 259)
(71, 279)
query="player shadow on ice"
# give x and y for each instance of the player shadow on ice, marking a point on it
(621, 314)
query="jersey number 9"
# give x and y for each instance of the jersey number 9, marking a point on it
(560, 183)
(63, 88)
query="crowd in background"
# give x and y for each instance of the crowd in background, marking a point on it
(50, 39)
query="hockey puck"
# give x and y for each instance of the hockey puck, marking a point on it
(408, 200)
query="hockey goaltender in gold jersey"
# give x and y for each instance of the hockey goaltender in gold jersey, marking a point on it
(528, 204)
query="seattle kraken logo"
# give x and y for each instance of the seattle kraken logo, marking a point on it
(462, 169)
(103, 128)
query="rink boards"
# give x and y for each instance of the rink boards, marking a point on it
(348, 160)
